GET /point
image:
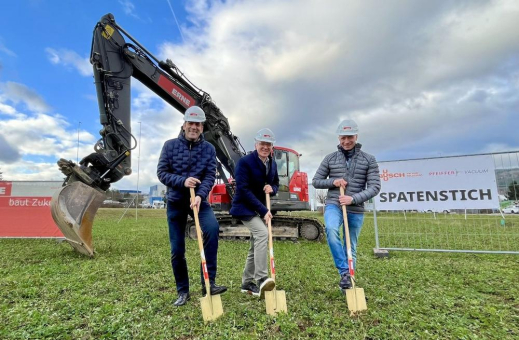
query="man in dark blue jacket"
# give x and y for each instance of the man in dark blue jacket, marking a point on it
(190, 162)
(256, 175)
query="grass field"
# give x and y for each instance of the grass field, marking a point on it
(127, 290)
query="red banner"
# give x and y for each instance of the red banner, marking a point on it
(5, 188)
(27, 216)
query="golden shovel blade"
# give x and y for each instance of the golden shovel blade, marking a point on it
(356, 300)
(212, 307)
(73, 209)
(275, 302)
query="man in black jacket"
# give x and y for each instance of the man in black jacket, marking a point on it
(256, 175)
(190, 162)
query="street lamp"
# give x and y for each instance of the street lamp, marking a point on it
(138, 168)
(77, 154)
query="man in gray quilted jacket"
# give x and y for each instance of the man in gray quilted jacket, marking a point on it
(357, 171)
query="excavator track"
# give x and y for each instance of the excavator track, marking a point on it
(284, 227)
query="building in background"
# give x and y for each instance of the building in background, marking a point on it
(317, 198)
(126, 197)
(157, 193)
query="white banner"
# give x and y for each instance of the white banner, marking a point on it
(35, 188)
(438, 184)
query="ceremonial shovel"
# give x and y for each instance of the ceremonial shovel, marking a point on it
(211, 305)
(275, 300)
(355, 297)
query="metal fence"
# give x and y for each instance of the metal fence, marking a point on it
(471, 231)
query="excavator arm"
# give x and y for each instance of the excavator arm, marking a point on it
(115, 61)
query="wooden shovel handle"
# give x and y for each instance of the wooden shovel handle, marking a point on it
(200, 242)
(347, 233)
(271, 247)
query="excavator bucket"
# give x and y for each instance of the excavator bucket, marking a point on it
(73, 209)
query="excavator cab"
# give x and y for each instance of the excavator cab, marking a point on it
(292, 193)
(293, 184)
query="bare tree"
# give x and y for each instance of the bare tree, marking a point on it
(1, 178)
(320, 195)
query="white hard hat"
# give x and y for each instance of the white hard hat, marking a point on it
(347, 127)
(194, 114)
(265, 135)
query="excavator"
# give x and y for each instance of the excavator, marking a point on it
(115, 61)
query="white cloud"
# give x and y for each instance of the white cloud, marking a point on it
(401, 76)
(128, 8)
(30, 134)
(499, 147)
(68, 58)
(19, 93)
(7, 109)
(44, 135)
(7, 51)
(8, 153)
(31, 171)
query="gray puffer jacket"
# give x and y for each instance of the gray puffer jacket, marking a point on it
(362, 176)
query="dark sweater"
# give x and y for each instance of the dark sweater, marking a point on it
(250, 176)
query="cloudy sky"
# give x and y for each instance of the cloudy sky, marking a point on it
(421, 78)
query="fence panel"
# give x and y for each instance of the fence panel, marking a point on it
(493, 230)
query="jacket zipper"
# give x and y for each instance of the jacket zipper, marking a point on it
(189, 160)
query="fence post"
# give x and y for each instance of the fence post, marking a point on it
(380, 253)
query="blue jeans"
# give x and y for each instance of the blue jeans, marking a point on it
(333, 221)
(177, 220)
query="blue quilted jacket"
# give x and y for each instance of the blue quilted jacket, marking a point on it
(180, 159)
(249, 199)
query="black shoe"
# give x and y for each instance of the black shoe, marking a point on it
(266, 284)
(345, 282)
(250, 288)
(215, 290)
(183, 298)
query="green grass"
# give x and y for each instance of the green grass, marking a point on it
(126, 291)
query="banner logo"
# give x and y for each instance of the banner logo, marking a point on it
(443, 173)
(176, 92)
(386, 175)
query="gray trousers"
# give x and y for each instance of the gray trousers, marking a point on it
(256, 265)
